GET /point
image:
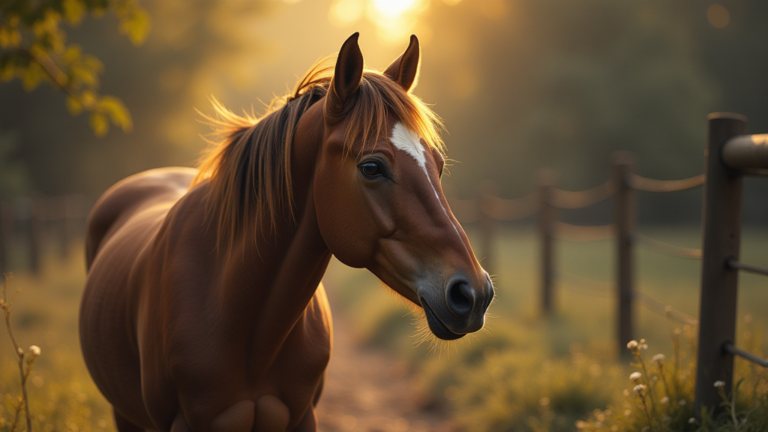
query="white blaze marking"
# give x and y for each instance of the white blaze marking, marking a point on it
(409, 142)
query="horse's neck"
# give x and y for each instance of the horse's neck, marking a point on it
(272, 280)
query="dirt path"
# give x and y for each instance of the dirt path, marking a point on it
(367, 390)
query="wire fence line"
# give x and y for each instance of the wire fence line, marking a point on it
(500, 209)
(668, 249)
(579, 199)
(582, 233)
(511, 209)
(663, 309)
(583, 285)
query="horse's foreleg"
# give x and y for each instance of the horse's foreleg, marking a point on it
(308, 423)
(237, 418)
(272, 415)
(123, 425)
(319, 390)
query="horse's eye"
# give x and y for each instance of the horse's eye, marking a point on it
(371, 170)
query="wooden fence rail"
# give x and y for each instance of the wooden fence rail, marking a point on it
(622, 187)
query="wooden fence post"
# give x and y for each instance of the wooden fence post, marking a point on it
(721, 232)
(547, 216)
(487, 226)
(624, 217)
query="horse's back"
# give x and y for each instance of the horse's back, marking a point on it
(129, 196)
(122, 225)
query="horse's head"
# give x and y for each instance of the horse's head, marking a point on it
(378, 196)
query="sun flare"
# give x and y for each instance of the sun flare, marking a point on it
(394, 9)
(394, 19)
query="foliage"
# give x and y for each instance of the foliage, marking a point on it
(26, 359)
(14, 180)
(34, 49)
(61, 395)
(662, 395)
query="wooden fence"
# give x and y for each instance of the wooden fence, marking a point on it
(545, 204)
(731, 155)
(31, 226)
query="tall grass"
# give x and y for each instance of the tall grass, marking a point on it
(60, 395)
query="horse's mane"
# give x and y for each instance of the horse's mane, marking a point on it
(249, 164)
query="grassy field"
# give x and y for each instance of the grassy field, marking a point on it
(530, 373)
(523, 373)
(585, 304)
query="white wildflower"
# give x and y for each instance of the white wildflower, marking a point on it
(639, 389)
(719, 384)
(635, 376)
(658, 358)
(632, 344)
(35, 350)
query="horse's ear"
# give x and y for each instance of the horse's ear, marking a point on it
(346, 79)
(405, 69)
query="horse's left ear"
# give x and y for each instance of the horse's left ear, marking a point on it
(405, 69)
(346, 79)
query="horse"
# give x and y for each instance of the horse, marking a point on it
(204, 309)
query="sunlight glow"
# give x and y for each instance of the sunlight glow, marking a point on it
(394, 9)
(345, 12)
(394, 19)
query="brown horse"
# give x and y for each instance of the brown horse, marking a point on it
(203, 310)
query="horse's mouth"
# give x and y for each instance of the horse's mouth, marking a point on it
(438, 328)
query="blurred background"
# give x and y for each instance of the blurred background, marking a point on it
(520, 84)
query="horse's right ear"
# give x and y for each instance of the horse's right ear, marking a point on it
(346, 79)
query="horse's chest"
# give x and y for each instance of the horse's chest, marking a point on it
(300, 364)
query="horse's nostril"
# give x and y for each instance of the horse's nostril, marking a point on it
(461, 297)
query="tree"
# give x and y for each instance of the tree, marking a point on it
(34, 49)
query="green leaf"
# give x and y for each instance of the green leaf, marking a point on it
(136, 26)
(84, 75)
(74, 106)
(99, 124)
(9, 37)
(72, 53)
(31, 76)
(116, 111)
(74, 10)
